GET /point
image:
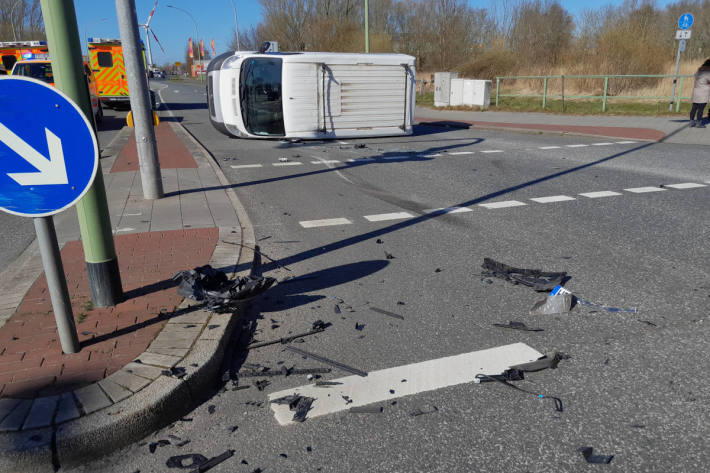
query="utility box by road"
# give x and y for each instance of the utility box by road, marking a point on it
(470, 92)
(442, 87)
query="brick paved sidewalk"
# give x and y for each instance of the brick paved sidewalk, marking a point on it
(31, 360)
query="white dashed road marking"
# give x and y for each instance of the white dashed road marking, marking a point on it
(326, 161)
(503, 204)
(430, 155)
(449, 210)
(492, 151)
(552, 198)
(625, 142)
(457, 153)
(602, 144)
(326, 222)
(577, 146)
(643, 190)
(550, 147)
(383, 385)
(245, 166)
(598, 194)
(685, 185)
(288, 163)
(389, 216)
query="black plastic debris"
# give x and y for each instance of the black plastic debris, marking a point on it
(179, 461)
(535, 278)
(283, 455)
(515, 325)
(297, 403)
(212, 462)
(507, 375)
(347, 399)
(379, 241)
(328, 361)
(387, 313)
(360, 146)
(318, 326)
(587, 453)
(326, 384)
(233, 428)
(514, 372)
(284, 372)
(176, 372)
(437, 270)
(153, 446)
(425, 409)
(262, 384)
(389, 255)
(216, 290)
(366, 410)
(359, 326)
(182, 444)
(550, 305)
(211, 408)
(543, 363)
(336, 309)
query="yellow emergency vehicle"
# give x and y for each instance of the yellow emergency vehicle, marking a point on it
(106, 62)
(13, 51)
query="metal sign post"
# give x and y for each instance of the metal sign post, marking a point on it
(684, 23)
(48, 160)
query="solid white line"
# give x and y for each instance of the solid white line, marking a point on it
(245, 166)
(456, 153)
(552, 198)
(288, 163)
(326, 222)
(430, 155)
(642, 190)
(125, 229)
(449, 210)
(326, 161)
(596, 195)
(503, 204)
(625, 142)
(685, 185)
(390, 216)
(492, 151)
(577, 146)
(602, 144)
(407, 380)
(550, 147)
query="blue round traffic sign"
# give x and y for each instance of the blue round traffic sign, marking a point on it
(685, 21)
(48, 150)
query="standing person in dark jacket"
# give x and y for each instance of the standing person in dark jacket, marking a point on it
(701, 94)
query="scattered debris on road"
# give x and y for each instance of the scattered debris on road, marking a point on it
(515, 325)
(516, 373)
(283, 159)
(176, 372)
(299, 404)
(389, 255)
(153, 446)
(587, 453)
(262, 384)
(283, 371)
(424, 409)
(386, 312)
(561, 290)
(535, 278)
(327, 384)
(551, 305)
(318, 327)
(178, 461)
(366, 410)
(327, 361)
(543, 363)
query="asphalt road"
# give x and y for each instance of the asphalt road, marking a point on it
(16, 233)
(634, 385)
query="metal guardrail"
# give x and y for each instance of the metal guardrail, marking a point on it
(603, 97)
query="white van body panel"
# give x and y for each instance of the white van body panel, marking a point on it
(326, 95)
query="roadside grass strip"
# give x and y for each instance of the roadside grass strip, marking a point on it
(685, 185)
(552, 198)
(643, 190)
(598, 194)
(503, 204)
(325, 222)
(406, 380)
(388, 216)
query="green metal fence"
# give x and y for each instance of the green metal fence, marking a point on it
(604, 97)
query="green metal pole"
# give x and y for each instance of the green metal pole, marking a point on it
(680, 91)
(544, 93)
(497, 89)
(367, 26)
(94, 222)
(606, 88)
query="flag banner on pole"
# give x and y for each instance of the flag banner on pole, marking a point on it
(214, 53)
(189, 42)
(202, 49)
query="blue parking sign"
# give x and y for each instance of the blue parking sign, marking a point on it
(48, 150)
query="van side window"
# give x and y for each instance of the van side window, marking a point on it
(105, 59)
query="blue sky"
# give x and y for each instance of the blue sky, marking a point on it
(215, 19)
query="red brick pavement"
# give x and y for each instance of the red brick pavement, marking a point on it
(172, 153)
(31, 360)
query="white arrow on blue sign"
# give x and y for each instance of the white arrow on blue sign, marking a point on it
(685, 21)
(48, 150)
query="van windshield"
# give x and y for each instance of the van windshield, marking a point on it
(260, 96)
(36, 70)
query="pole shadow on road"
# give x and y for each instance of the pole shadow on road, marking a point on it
(346, 242)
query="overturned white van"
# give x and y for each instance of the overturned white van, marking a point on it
(311, 95)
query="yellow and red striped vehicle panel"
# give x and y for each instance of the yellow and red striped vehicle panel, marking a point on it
(110, 81)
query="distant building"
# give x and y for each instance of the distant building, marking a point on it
(199, 67)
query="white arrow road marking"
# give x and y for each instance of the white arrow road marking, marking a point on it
(389, 383)
(51, 171)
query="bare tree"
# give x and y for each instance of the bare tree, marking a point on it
(21, 19)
